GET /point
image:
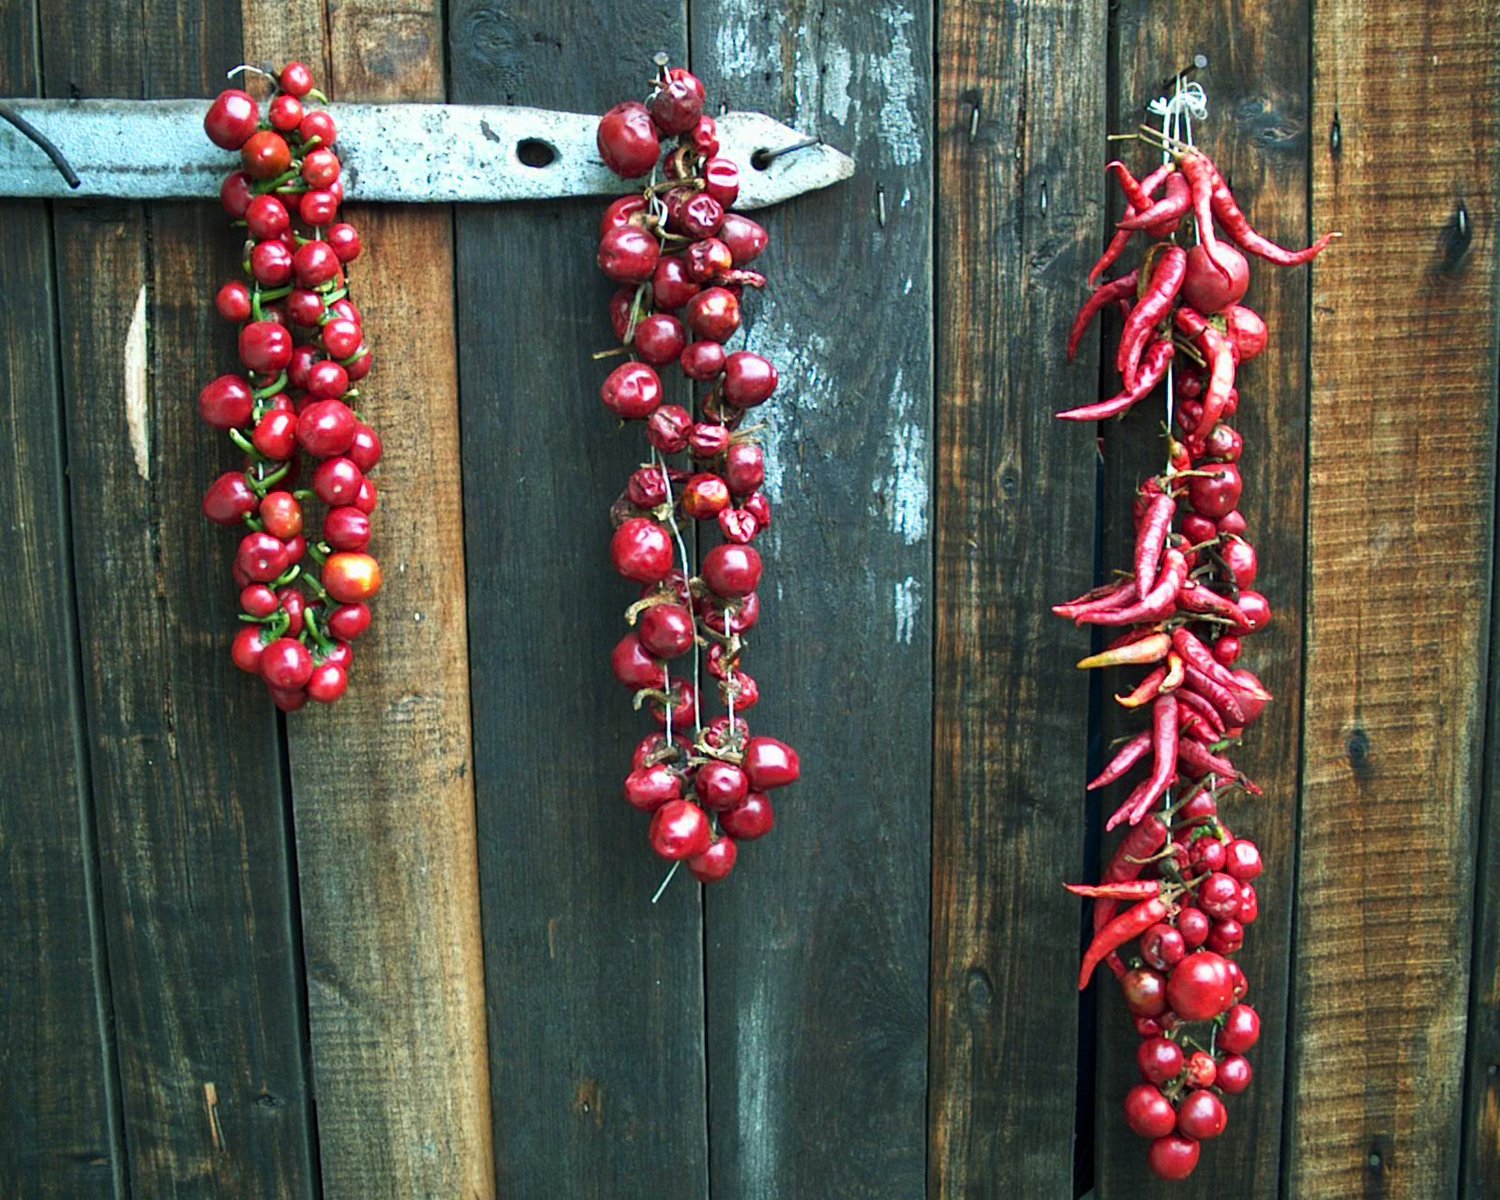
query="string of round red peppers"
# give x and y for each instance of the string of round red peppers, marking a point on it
(680, 257)
(303, 354)
(1184, 608)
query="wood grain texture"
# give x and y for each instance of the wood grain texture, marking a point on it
(1257, 132)
(1020, 123)
(595, 996)
(817, 947)
(1402, 453)
(383, 786)
(192, 832)
(60, 1138)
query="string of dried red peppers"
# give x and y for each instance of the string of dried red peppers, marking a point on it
(680, 257)
(1185, 607)
(302, 347)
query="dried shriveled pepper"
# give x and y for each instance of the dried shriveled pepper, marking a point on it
(1134, 889)
(1159, 602)
(1122, 288)
(1152, 648)
(1151, 539)
(1129, 754)
(1167, 275)
(1164, 741)
(1152, 371)
(1237, 226)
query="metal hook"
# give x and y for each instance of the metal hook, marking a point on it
(1169, 85)
(59, 160)
(763, 158)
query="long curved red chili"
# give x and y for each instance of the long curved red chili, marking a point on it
(1195, 598)
(1165, 213)
(1116, 289)
(1187, 698)
(1237, 226)
(1152, 539)
(1200, 172)
(1130, 753)
(1149, 649)
(1145, 691)
(1127, 926)
(1159, 602)
(1219, 351)
(1216, 694)
(1128, 862)
(1164, 741)
(1166, 281)
(1196, 654)
(1134, 889)
(1152, 371)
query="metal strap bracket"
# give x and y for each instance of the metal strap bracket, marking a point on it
(402, 153)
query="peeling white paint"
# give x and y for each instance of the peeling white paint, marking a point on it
(900, 124)
(137, 388)
(908, 600)
(804, 387)
(735, 55)
(837, 78)
(902, 494)
(906, 486)
(907, 286)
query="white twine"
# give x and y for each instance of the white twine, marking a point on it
(1177, 112)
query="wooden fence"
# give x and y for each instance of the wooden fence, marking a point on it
(404, 948)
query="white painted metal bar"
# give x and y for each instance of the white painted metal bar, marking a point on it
(406, 153)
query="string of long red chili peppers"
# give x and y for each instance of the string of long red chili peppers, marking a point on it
(302, 347)
(680, 257)
(1185, 609)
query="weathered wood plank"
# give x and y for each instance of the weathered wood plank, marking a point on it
(1256, 131)
(1400, 525)
(1020, 124)
(1480, 1165)
(817, 1052)
(382, 782)
(595, 996)
(61, 1135)
(193, 851)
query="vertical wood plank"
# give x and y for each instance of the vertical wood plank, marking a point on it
(817, 947)
(192, 833)
(1400, 528)
(595, 995)
(1480, 1165)
(1020, 118)
(60, 1137)
(382, 782)
(1257, 132)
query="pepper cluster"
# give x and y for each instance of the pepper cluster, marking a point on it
(680, 257)
(302, 348)
(1184, 608)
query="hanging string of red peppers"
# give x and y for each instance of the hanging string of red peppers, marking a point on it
(681, 258)
(302, 347)
(1184, 609)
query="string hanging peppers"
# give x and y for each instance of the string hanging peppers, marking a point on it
(303, 351)
(681, 257)
(1185, 608)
